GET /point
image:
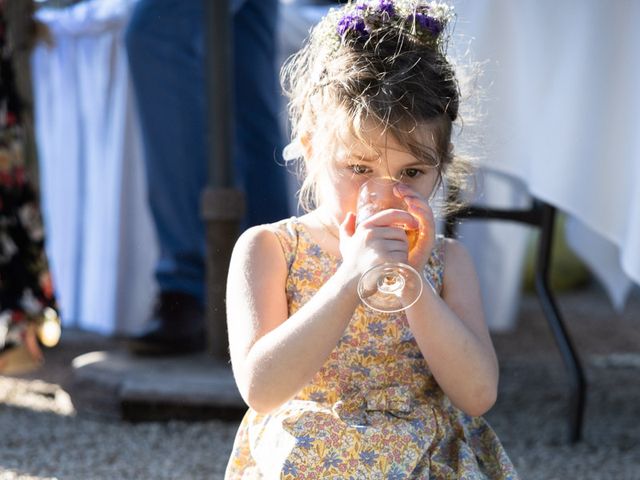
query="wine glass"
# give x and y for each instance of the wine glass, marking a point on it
(388, 287)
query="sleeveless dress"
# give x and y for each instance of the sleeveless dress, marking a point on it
(374, 410)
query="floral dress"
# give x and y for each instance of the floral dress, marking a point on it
(374, 410)
(27, 299)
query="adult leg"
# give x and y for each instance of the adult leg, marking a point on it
(259, 142)
(164, 43)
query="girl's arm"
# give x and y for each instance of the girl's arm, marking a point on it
(272, 358)
(453, 337)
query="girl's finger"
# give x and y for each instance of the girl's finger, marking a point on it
(391, 244)
(391, 217)
(405, 192)
(416, 202)
(348, 225)
(389, 233)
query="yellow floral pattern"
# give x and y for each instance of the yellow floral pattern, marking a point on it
(374, 410)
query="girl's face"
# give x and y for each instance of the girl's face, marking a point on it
(353, 162)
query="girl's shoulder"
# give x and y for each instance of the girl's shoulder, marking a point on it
(457, 264)
(287, 233)
(449, 261)
(257, 254)
(284, 229)
(277, 238)
(452, 249)
(265, 239)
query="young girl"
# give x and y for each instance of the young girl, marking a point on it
(337, 390)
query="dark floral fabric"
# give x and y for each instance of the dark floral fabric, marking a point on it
(26, 293)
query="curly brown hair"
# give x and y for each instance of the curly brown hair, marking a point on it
(390, 80)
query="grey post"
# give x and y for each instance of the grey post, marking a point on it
(222, 204)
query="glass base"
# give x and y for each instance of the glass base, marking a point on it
(390, 287)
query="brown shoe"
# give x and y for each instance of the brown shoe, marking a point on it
(176, 327)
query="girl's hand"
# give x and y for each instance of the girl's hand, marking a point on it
(375, 240)
(419, 207)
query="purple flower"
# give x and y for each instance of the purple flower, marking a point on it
(289, 468)
(332, 460)
(368, 457)
(351, 23)
(376, 328)
(305, 441)
(319, 397)
(369, 351)
(386, 6)
(426, 22)
(395, 473)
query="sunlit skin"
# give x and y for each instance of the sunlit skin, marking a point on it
(274, 356)
(354, 163)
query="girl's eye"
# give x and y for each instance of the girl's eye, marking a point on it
(411, 172)
(359, 169)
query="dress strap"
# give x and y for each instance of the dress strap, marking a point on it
(287, 234)
(434, 269)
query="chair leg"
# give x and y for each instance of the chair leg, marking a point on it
(562, 338)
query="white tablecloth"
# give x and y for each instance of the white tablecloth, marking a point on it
(560, 95)
(554, 115)
(100, 240)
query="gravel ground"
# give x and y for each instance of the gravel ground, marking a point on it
(44, 438)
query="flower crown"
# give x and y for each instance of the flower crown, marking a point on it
(424, 21)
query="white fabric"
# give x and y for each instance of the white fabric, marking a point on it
(558, 98)
(100, 240)
(561, 102)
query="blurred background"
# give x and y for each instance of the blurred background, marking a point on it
(549, 120)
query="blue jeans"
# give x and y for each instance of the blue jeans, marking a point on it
(165, 45)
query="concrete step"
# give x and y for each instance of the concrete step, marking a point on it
(119, 385)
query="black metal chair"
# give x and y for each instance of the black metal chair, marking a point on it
(542, 216)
